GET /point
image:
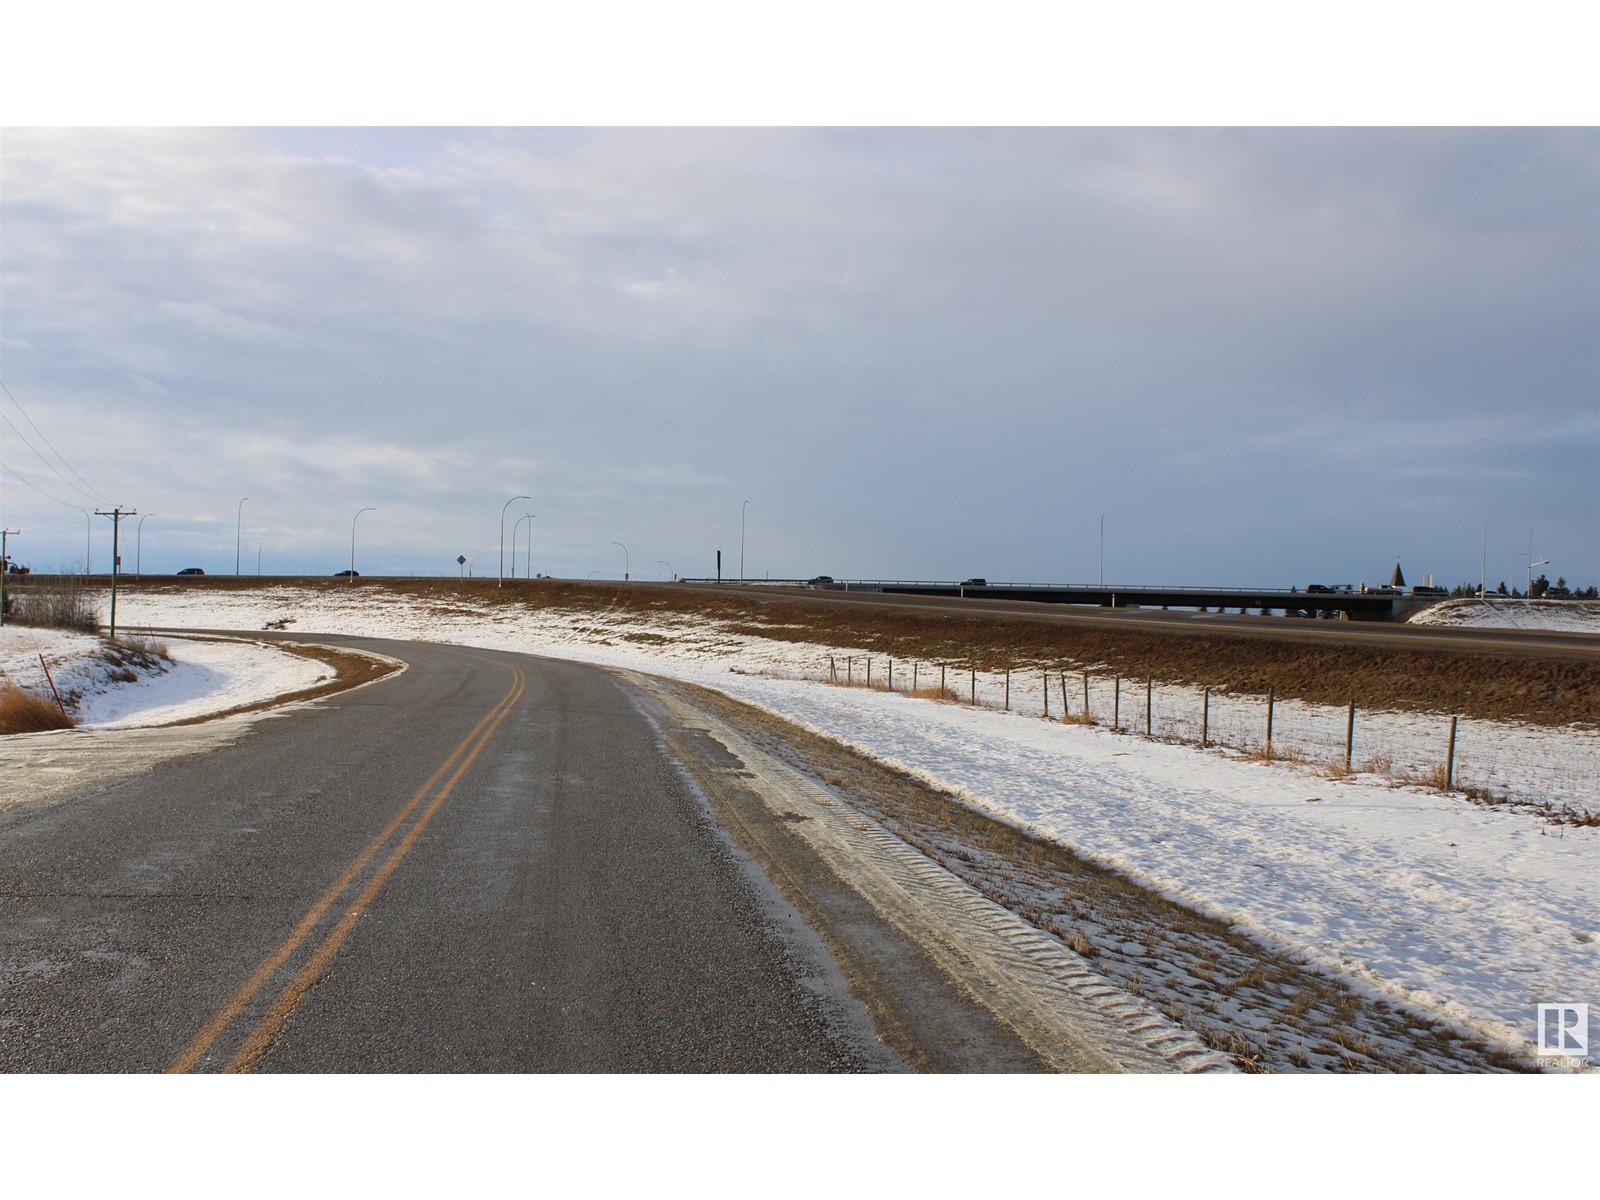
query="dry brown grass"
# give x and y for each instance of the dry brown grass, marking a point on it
(22, 711)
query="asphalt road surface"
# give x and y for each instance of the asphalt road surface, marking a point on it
(487, 863)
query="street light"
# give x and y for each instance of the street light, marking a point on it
(258, 558)
(514, 528)
(668, 566)
(1543, 562)
(626, 574)
(1102, 549)
(742, 510)
(238, 528)
(138, 545)
(508, 504)
(88, 544)
(353, 520)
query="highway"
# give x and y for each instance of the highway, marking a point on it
(490, 863)
(1376, 634)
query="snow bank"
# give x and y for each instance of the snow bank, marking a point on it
(1564, 616)
(200, 678)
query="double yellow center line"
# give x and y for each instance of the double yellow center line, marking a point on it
(449, 771)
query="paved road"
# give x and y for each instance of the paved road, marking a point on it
(486, 863)
(1377, 634)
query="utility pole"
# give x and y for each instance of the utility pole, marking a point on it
(5, 565)
(116, 515)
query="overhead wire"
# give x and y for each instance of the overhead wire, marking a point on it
(92, 493)
(26, 482)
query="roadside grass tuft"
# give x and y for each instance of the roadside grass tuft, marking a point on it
(22, 711)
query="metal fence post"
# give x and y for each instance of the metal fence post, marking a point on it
(1272, 696)
(1205, 721)
(1008, 689)
(1149, 705)
(974, 684)
(1046, 695)
(1116, 701)
(1350, 735)
(1450, 761)
(1086, 695)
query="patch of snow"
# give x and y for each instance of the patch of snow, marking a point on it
(1499, 612)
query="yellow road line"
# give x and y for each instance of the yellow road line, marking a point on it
(241, 996)
(318, 962)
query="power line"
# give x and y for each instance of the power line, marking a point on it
(90, 497)
(23, 479)
(92, 492)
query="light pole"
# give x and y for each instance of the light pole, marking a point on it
(353, 520)
(1102, 549)
(138, 546)
(1528, 592)
(524, 517)
(238, 530)
(668, 566)
(258, 558)
(626, 574)
(88, 544)
(742, 511)
(508, 504)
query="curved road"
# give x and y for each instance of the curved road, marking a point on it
(486, 863)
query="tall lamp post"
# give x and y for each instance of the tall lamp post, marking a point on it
(668, 566)
(529, 518)
(88, 542)
(138, 546)
(1102, 549)
(353, 520)
(258, 558)
(626, 574)
(508, 504)
(742, 511)
(238, 529)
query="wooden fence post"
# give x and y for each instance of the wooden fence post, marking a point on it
(1046, 695)
(1350, 735)
(974, 684)
(1149, 705)
(1008, 689)
(1272, 696)
(1450, 761)
(1116, 701)
(1086, 695)
(1205, 721)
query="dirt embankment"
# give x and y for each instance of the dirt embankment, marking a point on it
(1544, 690)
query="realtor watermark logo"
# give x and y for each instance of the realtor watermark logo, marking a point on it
(1563, 1030)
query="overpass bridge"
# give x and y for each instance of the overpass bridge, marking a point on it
(1371, 605)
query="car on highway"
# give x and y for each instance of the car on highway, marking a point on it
(192, 571)
(347, 573)
(820, 581)
(975, 581)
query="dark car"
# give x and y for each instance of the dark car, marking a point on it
(1320, 587)
(347, 572)
(820, 581)
(974, 582)
(192, 571)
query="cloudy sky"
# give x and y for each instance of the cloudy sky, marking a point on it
(1267, 356)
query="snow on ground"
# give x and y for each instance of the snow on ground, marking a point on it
(201, 677)
(1478, 913)
(1491, 612)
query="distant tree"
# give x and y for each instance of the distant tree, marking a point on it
(1559, 589)
(1501, 590)
(1538, 587)
(1463, 589)
(1589, 593)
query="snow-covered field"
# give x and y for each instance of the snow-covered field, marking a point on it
(1476, 912)
(198, 677)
